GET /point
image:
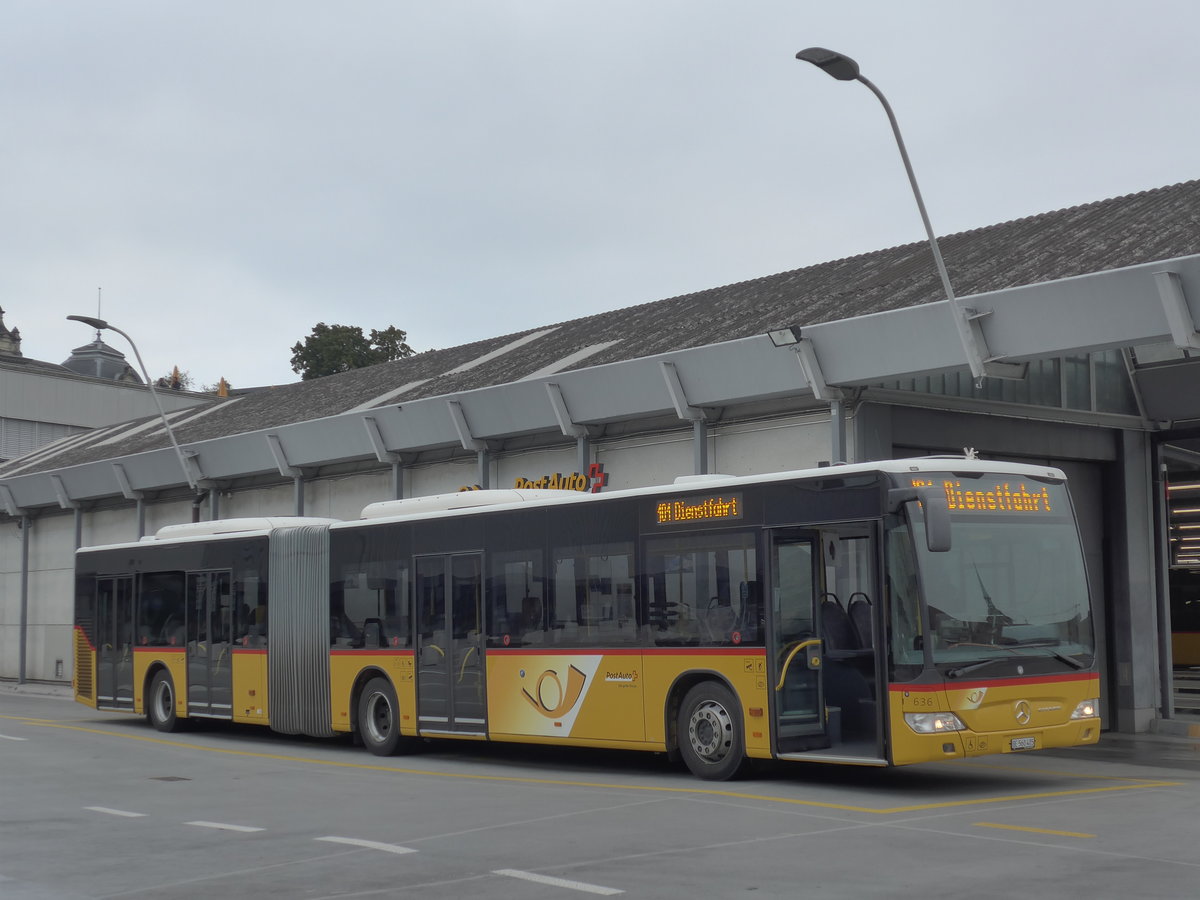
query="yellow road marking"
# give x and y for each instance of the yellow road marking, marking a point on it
(514, 779)
(975, 764)
(1078, 834)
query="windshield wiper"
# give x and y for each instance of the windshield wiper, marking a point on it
(1039, 643)
(963, 670)
(1050, 644)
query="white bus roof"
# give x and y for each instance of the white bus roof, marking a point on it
(444, 505)
(437, 506)
(252, 526)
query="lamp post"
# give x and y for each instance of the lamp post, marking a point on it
(843, 68)
(101, 325)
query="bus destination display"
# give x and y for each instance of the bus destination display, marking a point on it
(999, 496)
(697, 509)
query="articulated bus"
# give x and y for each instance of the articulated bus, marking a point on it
(876, 614)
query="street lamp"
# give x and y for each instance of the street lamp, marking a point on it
(101, 325)
(843, 68)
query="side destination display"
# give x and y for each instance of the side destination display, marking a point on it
(699, 509)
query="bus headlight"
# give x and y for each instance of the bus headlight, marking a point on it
(1088, 709)
(934, 723)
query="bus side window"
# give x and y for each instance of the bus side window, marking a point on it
(161, 609)
(593, 594)
(703, 589)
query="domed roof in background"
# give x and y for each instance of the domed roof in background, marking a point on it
(101, 361)
(10, 341)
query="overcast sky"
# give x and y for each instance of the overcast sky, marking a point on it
(230, 174)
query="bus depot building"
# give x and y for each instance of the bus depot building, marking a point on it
(1073, 343)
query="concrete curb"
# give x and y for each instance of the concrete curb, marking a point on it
(1183, 727)
(37, 689)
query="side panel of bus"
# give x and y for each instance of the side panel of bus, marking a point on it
(616, 698)
(349, 669)
(250, 685)
(148, 659)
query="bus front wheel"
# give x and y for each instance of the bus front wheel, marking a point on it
(160, 703)
(710, 732)
(379, 718)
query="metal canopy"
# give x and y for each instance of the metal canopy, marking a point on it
(1117, 308)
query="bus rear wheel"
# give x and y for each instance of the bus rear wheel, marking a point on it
(160, 703)
(379, 718)
(710, 732)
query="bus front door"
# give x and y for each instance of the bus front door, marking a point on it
(209, 645)
(114, 650)
(450, 635)
(824, 646)
(796, 649)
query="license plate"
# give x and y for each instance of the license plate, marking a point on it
(1022, 743)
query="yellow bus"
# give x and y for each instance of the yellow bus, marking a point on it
(876, 614)
(1184, 586)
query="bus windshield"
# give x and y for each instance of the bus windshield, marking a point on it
(1009, 597)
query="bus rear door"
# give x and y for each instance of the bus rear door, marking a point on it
(449, 647)
(209, 645)
(114, 647)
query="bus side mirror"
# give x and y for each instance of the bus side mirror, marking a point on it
(936, 509)
(937, 519)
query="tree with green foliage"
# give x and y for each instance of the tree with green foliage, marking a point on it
(176, 380)
(339, 348)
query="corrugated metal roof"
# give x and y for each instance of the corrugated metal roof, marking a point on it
(1108, 234)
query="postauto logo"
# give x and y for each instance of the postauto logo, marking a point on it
(550, 697)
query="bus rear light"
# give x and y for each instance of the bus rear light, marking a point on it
(1088, 709)
(934, 723)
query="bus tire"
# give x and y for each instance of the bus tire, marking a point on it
(710, 732)
(160, 703)
(379, 718)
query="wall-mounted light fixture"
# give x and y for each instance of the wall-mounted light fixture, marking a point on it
(785, 337)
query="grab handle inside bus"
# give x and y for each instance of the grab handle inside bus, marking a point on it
(936, 509)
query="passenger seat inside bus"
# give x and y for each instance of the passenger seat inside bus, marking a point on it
(840, 639)
(849, 673)
(860, 618)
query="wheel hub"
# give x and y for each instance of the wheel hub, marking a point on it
(164, 701)
(710, 731)
(379, 718)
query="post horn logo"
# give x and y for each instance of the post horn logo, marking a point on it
(550, 699)
(1022, 712)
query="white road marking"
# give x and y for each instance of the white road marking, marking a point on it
(11, 738)
(223, 826)
(370, 845)
(558, 882)
(116, 812)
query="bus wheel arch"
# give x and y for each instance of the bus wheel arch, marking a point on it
(161, 700)
(356, 690)
(705, 726)
(377, 716)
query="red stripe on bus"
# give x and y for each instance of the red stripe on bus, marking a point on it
(625, 651)
(86, 639)
(996, 682)
(382, 651)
